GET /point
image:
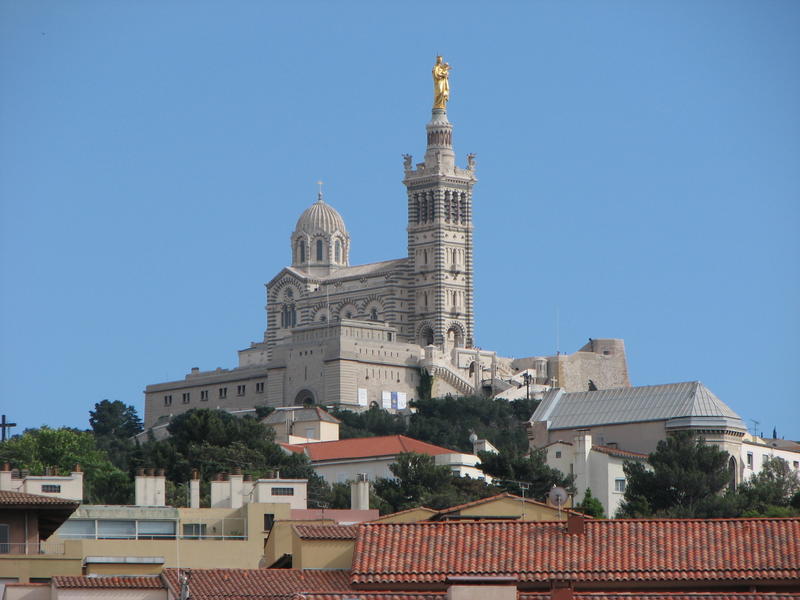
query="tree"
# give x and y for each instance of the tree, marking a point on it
(510, 468)
(591, 506)
(114, 419)
(419, 481)
(686, 480)
(62, 449)
(770, 492)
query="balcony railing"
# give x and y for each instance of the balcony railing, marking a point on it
(32, 548)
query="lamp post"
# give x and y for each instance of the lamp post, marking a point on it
(527, 377)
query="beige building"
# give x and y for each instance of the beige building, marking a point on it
(595, 467)
(301, 425)
(361, 335)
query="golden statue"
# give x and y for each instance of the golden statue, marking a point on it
(441, 83)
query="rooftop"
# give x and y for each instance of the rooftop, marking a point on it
(690, 400)
(539, 552)
(388, 445)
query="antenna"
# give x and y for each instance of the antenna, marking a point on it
(557, 497)
(755, 427)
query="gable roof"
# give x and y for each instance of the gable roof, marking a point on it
(136, 582)
(387, 445)
(376, 268)
(326, 532)
(25, 500)
(495, 498)
(691, 402)
(538, 552)
(299, 414)
(253, 584)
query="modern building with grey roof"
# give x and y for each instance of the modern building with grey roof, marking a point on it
(637, 418)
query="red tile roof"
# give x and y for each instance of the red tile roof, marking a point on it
(371, 596)
(21, 499)
(137, 582)
(608, 551)
(254, 584)
(617, 452)
(387, 445)
(357, 595)
(327, 532)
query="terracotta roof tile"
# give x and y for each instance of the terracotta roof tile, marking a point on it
(387, 445)
(138, 582)
(255, 584)
(618, 452)
(327, 532)
(9, 498)
(371, 596)
(608, 551)
(357, 595)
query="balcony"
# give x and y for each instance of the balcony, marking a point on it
(31, 548)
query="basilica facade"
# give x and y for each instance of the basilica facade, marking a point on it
(362, 335)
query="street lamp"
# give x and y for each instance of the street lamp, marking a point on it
(527, 377)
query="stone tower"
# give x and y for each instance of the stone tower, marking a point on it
(440, 240)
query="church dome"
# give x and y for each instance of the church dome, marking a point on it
(321, 217)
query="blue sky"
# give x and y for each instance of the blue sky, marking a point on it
(638, 164)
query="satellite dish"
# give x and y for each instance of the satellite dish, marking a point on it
(473, 438)
(557, 496)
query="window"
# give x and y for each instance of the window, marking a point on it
(338, 251)
(240, 390)
(76, 529)
(301, 251)
(168, 400)
(223, 392)
(558, 453)
(204, 395)
(194, 531)
(373, 314)
(282, 491)
(156, 530)
(749, 460)
(187, 396)
(51, 489)
(620, 485)
(320, 250)
(269, 521)
(796, 464)
(117, 530)
(260, 387)
(764, 459)
(5, 547)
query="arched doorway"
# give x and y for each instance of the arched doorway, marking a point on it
(454, 337)
(304, 398)
(732, 473)
(425, 336)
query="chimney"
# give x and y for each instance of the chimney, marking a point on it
(576, 524)
(139, 486)
(561, 590)
(5, 478)
(582, 448)
(220, 492)
(236, 488)
(194, 489)
(359, 492)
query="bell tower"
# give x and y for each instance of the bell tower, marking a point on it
(440, 232)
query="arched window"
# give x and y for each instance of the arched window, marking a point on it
(288, 316)
(301, 251)
(320, 250)
(338, 251)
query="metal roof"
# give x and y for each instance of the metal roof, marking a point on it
(689, 400)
